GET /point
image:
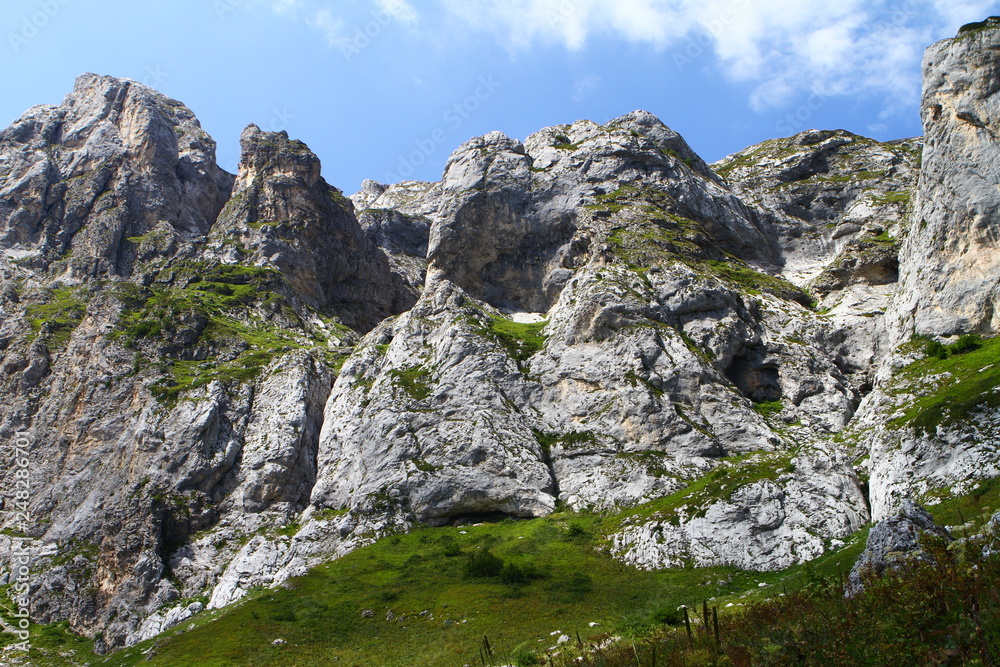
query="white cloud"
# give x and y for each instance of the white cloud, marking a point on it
(283, 6)
(783, 48)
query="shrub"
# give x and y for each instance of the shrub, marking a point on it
(512, 574)
(575, 530)
(935, 349)
(668, 616)
(451, 549)
(482, 564)
(965, 343)
(526, 658)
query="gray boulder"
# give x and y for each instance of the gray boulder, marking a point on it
(894, 542)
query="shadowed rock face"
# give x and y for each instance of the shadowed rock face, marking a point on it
(283, 214)
(950, 260)
(512, 218)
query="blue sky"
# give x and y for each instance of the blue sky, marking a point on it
(386, 89)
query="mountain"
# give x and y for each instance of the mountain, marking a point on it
(227, 380)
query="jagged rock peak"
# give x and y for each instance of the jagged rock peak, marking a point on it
(114, 161)
(284, 215)
(264, 154)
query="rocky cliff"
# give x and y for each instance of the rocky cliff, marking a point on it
(228, 379)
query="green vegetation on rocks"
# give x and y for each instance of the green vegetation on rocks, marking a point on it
(717, 485)
(520, 339)
(60, 312)
(954, 383)
(217, 310)
(429, 597)
(413, 380)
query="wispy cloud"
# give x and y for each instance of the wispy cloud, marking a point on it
(584, 86)
(331, 27)
(783, 48)
(284, 6)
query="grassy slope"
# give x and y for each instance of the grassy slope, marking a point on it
(954, 387)
(571, 584)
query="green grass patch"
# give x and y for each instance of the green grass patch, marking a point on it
(568, 440)
(973, 508)
(214, 306)
(893, 197)
(58, 315)
(940, 611)
(520, 339)
(963, 384)
(413, 380)
(716, 485)
(55, 645)
(768, 408)
(754, 282)
(971, 29)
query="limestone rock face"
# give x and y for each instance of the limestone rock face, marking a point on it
(398, 219)
(950, 258)
(114, 162)
(512, 219)
(823, 191)
(807, 506)
(167, 379)
(422, 417)
(906, 460)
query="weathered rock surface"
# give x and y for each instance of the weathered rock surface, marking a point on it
(946, 287)
(802, 506)
(283, 214)
(828, 192)
(893, 542)
(950, 258)
(124, 290)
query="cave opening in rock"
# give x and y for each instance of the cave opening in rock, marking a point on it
(758, 381)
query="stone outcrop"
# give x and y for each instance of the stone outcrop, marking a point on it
(114, 162)
(894, 542)
(283, 214)
(928, 429)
